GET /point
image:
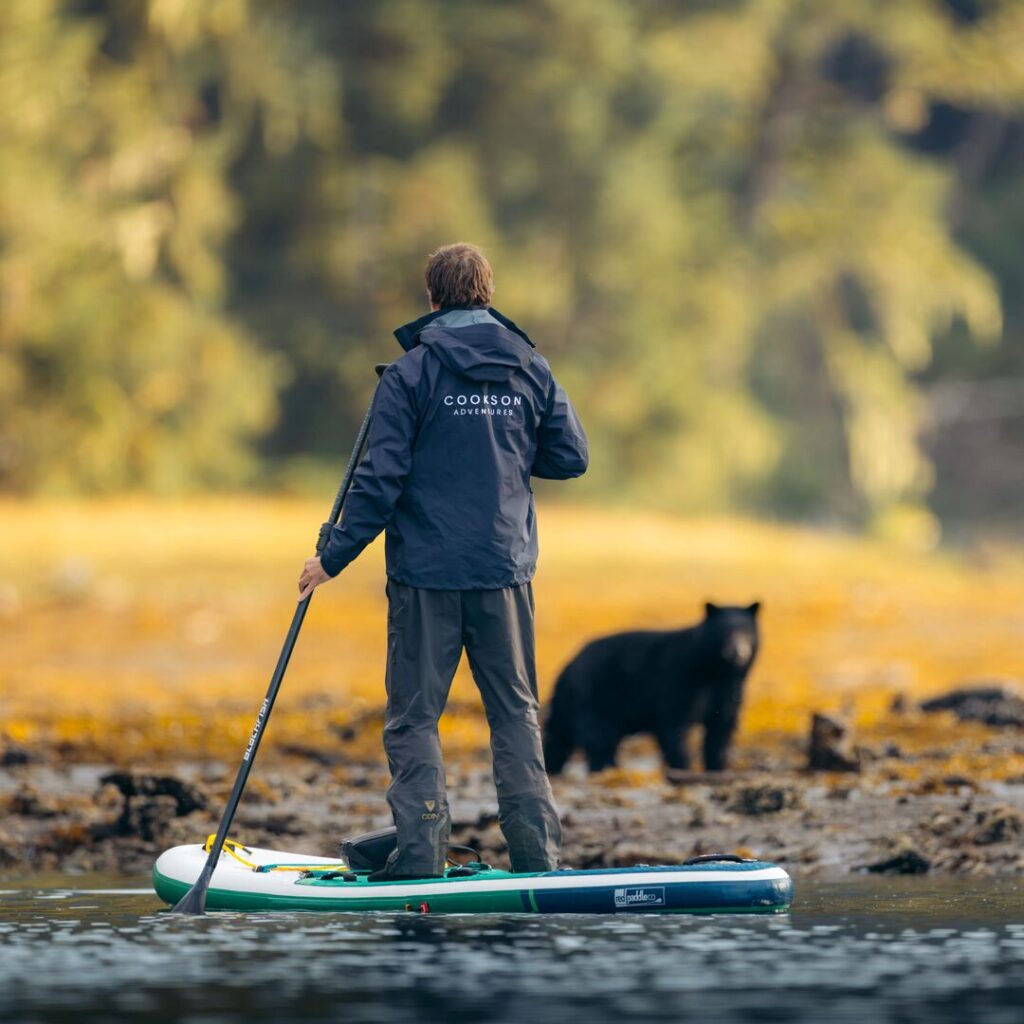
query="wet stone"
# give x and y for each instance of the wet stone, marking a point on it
(13, 755)
(150, 801)
(763, 799)
(147, 818)
(904, 862)
(997, 825)
(29, 803)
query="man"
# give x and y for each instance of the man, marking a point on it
(459, 425)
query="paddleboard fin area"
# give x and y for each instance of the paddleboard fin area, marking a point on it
(250, 878)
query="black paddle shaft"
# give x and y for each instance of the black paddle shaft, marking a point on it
(194, 901)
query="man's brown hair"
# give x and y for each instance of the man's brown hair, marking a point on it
(459, 275)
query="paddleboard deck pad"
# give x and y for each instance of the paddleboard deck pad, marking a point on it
(247, 878)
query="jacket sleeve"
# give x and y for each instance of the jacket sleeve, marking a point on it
(561, 444)
(380, 476)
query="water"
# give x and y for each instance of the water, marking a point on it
(899, 951)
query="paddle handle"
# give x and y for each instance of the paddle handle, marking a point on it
(350, 469)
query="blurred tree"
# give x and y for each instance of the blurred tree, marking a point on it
(714, 211)
(118, 365)
(728, 224)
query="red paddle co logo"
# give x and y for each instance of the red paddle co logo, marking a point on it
(639, 897)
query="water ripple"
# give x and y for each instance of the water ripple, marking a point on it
(856, 951)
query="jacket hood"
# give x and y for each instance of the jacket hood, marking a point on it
(476, 343)
(408, 335)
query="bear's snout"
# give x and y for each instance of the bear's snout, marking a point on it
(739, 649)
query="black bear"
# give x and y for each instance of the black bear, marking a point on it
(654, 682)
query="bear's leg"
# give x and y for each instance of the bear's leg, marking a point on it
(601, 745)
(718, 731)
(561, 725)
(672, 742)
(558, 744)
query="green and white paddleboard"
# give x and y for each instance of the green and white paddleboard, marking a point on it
(247, 878)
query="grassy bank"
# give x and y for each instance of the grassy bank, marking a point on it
(140, 630)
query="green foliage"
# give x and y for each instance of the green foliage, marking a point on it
(119, 365)
(714, 218)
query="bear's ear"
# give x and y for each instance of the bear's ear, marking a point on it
(710, 609)
(754, 608)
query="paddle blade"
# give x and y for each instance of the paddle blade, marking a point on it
(194, 901)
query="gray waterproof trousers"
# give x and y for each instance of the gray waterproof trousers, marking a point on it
(427, 630)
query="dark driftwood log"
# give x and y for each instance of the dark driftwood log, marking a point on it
(992, 704)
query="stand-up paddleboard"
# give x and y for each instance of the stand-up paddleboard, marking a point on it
(247, 878)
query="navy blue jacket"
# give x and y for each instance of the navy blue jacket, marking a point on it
(459, 425)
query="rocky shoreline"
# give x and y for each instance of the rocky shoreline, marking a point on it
(900, 813)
